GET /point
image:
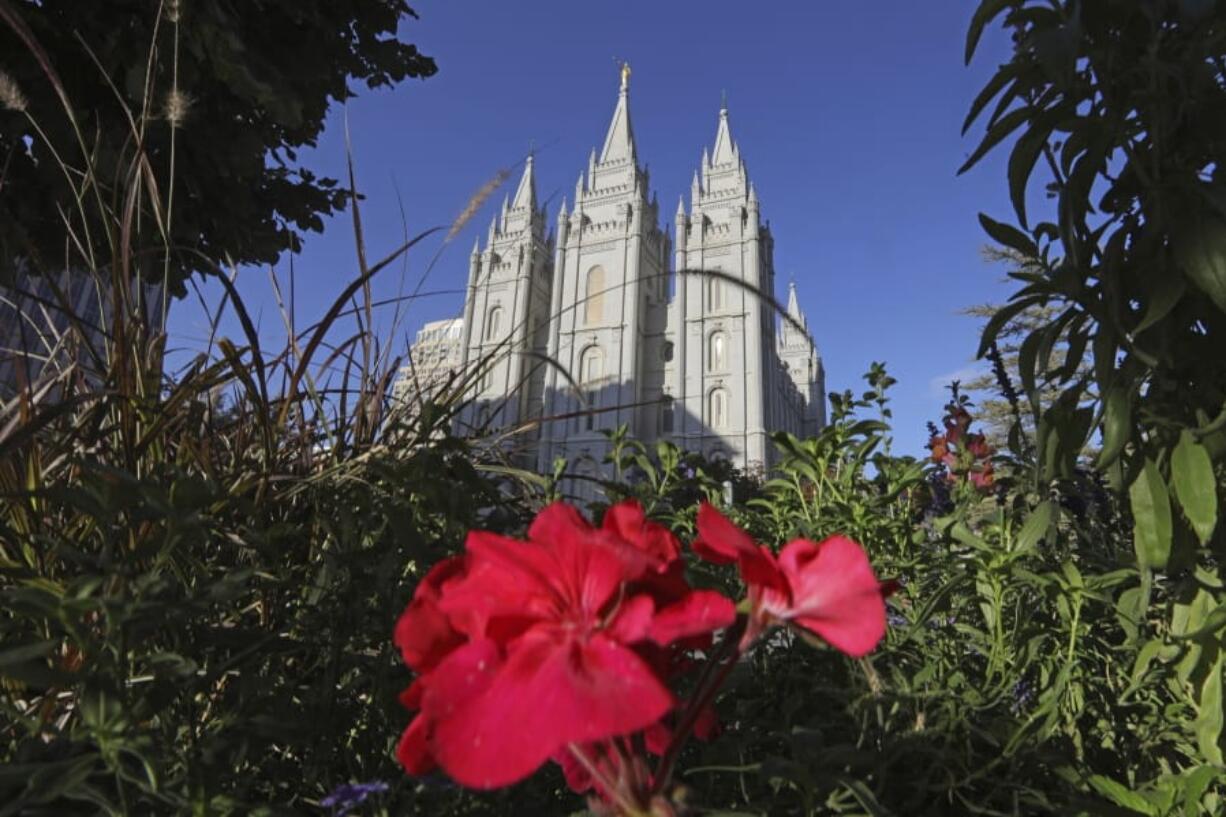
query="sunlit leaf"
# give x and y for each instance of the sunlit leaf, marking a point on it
(1195, 486)
(1151, 513)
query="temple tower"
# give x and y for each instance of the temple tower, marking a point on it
(725, 328)
(506, 313)
(611, 259)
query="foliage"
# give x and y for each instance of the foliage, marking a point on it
(1006, 422)
(200, 570)
(1123, 107)
(217, 97)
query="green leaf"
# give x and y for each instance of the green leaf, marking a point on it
(1200, 249)
(26, 652)
(1192, 475)
(1036, 526)
(1001, 80)
(987, 11)
(1117, 425)
(1166, 292)
(1212, 621)
(1145, 657)
(1001, 317)
(1025, 154)
(1120, 795)
(1008, 235)
(1151, 514)
(1209, 714)
(1007, 125)
(1195, 784)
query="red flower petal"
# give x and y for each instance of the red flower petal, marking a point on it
(547, 695)
(626, 521)
(719, 540)
(722, 542)
(578, 778)
(557, 520)
(411, 697)
(834, 593)
(633, 620)
(412, 749)
(423, 633)
(657, 737)
(699, 612)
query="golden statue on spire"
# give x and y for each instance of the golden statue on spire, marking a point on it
(625, 75)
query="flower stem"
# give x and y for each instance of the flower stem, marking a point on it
(602, 781)
(714, 675)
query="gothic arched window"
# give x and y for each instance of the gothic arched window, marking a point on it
(593, 308)
(715, 293)
(493, 323)
(717, 353)
(717, 413)
(591, 370)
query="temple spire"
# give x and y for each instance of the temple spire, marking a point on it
(725, 151)
(619, 142)
(525, 194)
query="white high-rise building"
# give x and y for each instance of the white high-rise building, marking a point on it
(434, 361)
(607, 320)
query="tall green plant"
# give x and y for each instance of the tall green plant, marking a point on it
(1118, 107)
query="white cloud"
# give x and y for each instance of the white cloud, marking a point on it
(939, 385)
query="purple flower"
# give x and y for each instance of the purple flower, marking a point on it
(348, 796)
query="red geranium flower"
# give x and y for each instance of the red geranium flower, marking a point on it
(528, 647)
(827, 588)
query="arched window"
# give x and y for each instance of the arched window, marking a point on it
(493, 323)
(717, 353)
(667, 411)
(666, 351)
(591, 370)
(593, 309)
(715, 293)
(718, 408)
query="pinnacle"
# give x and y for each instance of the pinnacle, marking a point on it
(525, 194)
(725, 151)
(619, 141)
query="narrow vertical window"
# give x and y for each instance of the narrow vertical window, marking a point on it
(718, 409)
(715, 293)
(666, 415)
(493, 323)
(717, 353)
(591, 370)
(593, 308)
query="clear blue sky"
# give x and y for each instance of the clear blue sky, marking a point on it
(847, 114)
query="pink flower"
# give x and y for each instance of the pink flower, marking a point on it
(827, 588)
(529, 646)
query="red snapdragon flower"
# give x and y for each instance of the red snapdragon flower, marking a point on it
(527, 647)
(827, 588)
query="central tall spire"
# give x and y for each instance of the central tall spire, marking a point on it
(725, 151)
(619, 142)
